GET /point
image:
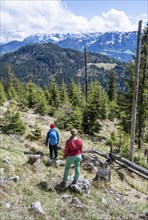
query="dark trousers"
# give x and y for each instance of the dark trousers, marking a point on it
(53, 151)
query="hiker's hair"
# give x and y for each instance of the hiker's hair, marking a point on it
(73, 132)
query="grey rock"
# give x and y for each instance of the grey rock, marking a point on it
(2, 176)
(7, 205)
(103, 201)
(76, 200)
(60, 162)
(103, 174)
(36, 207)
(15, 178)
(8, 161)
(66, 196)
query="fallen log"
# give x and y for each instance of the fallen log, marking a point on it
(132, 170)
(129, 164)
(141, 171)
(97, 152)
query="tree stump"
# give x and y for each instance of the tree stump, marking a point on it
(103, 174)
(35, 159)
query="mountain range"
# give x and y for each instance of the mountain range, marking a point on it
(119, 45)
(40, 62)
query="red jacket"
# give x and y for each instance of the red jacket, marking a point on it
(73, 147)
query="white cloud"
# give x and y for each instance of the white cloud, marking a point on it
(20, 19)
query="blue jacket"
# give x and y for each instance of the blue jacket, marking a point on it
(52, 137)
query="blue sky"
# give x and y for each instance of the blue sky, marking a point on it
(22, 18)
(90, 8)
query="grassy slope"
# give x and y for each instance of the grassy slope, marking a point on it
(29, 189)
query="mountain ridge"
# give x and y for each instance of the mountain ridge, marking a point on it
(119, 45)
(40, 62)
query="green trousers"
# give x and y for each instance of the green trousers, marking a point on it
(70, 160)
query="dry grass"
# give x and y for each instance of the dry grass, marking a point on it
(106, 66)
(33, 187)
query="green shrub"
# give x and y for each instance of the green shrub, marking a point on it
(11, 123)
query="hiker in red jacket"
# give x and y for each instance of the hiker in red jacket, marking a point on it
(72, 154)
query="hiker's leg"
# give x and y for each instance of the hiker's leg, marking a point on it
(55, 151)
(67, 167)
(51, 151)
(78, 158)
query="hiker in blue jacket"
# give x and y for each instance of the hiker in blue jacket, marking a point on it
(53, 139)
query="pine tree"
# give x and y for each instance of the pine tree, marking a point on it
(48, 96)
(12, 123)
(63, 93)
(112, 86)
(42, 104)
(125, 99)
(36, 133)
(76, 95)
(99, 99)
(14, 88)
(31, 94)
(11, 93)
(96, 108)
(76, 118)
(90, 124)
(55, 94)
(2, 94)
(8, 82)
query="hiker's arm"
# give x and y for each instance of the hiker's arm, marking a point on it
(65, 150)
(47, 138)
(58, 137)
(81, 147)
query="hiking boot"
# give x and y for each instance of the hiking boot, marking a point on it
(74, 182)
(63, 184)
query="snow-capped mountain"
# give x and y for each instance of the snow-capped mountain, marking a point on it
(120, 45)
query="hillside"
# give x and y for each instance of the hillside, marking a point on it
(123, 198)
(40, 62)
(119, 45)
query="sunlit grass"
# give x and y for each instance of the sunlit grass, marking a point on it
(34, 186)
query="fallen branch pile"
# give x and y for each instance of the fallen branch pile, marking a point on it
(141, 171)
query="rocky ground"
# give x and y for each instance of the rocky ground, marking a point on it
(29, 191)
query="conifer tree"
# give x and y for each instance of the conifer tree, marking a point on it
(36, 133)
(55, 94)
(99, 99)
(8, 82)
(63, 93)
(11, 93)
(13, 86)
(48, 96)
(112, 86)
(76, 118)
(12, 123)
(90, 124)
(2, 94)
(76, 95)
(125, 99)
(42, 104)
(96, 108)
(32, 94)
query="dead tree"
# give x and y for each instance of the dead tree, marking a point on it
(135, 95)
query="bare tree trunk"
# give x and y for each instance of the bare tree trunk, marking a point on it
(140, 118)
(86, 77)
(135, 95)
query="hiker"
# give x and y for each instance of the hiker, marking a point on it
(72, 154)
(53, 139)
